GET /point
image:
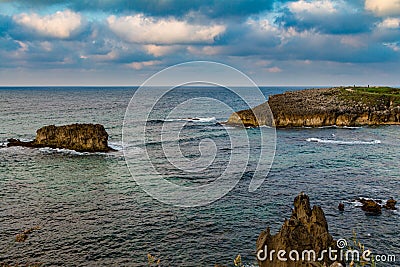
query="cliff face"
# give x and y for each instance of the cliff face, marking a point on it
(258, 116)
(324, 107)
(78, 137)
(306, 230)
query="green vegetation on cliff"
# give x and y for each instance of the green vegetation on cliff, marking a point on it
(373, 96)
(377, 90)
(341, 106)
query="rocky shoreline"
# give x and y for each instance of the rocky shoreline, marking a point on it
(78, 137)
(340, 106)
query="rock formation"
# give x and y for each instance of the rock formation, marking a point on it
(371, 207)
(22, 237)
(307, 229)
(325, 107)
(341, 206)
(78, 137)
(391, 204)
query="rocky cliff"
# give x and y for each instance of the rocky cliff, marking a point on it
(351, 106)
(78, 137)
(307, 229)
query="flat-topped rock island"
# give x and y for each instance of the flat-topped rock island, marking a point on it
(78, 137)
(340, 106)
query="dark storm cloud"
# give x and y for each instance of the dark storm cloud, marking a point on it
(5, 24)
(327, 48)
(333, 24)
(212, 8)
(344, 22)
(7, 45)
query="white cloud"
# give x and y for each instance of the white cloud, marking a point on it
(106, 57)
(23, 46)
(142, 64)
(262, 24)
(205, 50)
(46, 46)
(383, 7)
(61, 24)
(148, 30)
(390, 23)
(160, 50)
(314, 7)
(353, 41)
(274, 70)
(394, 46)
(262, 63)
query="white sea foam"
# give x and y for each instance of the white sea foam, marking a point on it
(48, 150)
(325, 127)
(25, 139)
(3, 144)
(116, 145)
(195, 119)
(229, 127)
(350, 127)
(338, 127)
(343, 142)
(357, 202)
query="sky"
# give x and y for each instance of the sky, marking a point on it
(122, 42)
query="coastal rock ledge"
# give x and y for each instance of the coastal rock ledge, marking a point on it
(306, 230)
(340, 106)
(78, 137)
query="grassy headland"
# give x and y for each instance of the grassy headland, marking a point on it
(341, 106)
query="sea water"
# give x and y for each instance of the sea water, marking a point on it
(91, 212)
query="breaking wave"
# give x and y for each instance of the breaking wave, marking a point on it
(343, 142)
(206, 119)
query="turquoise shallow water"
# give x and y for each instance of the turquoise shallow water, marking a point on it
(92, 212)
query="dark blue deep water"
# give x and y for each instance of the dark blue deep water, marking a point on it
(91, 212)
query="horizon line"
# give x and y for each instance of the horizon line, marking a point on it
(137, 86)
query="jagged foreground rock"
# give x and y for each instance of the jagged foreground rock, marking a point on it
(324, 107)
(307, 229)
(78, 137)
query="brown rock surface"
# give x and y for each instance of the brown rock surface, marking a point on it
(341, 206)
(307, 229)
(78, 137)
(324, 107)
(371, 207)
(391, 204)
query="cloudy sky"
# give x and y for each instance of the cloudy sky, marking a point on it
(124, 42)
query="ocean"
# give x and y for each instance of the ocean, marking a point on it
(92, 212)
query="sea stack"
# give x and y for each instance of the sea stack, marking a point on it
(78, 137)
(307, 229)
